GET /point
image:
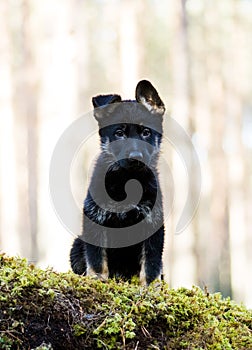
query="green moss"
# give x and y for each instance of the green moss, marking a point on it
(42, 309)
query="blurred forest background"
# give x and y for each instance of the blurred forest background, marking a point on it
(56, 55)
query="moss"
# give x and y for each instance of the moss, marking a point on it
(42, 309)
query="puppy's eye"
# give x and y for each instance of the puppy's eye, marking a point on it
(119, 133)
(146, 132)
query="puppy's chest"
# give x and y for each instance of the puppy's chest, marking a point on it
(121, 205)
(113, 215)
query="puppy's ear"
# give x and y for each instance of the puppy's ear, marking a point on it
(148, 96)
(102, 101)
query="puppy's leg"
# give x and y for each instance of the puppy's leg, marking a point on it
(77, 257)
(152, 257)
(97, 265)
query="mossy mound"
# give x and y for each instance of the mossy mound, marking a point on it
(42, 309)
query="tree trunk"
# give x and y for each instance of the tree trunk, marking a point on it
(25, 128)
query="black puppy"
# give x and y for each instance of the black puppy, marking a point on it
(121, 237)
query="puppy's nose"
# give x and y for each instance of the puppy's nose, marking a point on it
(136, 155)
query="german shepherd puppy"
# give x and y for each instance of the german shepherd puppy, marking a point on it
(123, 236)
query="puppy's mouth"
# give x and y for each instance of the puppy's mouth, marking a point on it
(128, 164)
(135, 163)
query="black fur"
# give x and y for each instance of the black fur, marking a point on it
(121, 162)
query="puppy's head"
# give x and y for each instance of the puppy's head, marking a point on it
(130, 131)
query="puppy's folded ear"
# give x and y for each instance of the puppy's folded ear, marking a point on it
(103, 101)
(148, 96)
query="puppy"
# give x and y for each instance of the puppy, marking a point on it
(123, 235)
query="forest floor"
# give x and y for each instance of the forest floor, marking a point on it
(43, 309)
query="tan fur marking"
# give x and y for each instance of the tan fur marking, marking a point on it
(104, 274)
(90, 271)
(142, 275)
(105, 271)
